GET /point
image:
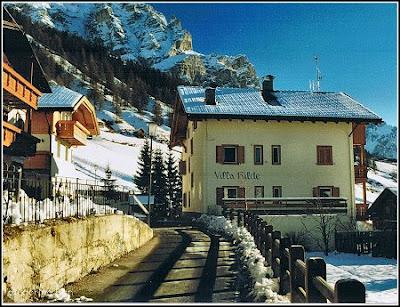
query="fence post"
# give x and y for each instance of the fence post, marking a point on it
(275, 254)
(296, 253)
(263, 238)
(284, 266)
(349, 291)
(268, 246)
(315, 266)
(77, 198)
(239, 218)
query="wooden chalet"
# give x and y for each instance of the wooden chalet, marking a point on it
(23, 84)
(63, 120)
(383, 211)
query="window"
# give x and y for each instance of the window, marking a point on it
(325, 191)
(191, 146)
(258, 192)
(192, 180)
(184, 200)
(231, 192)
(188, 200)
(258, 154)
(324, 155)
(276, 191)
(276, 154)
(230, 154)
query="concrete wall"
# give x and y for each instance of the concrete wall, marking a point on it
(298, 172)
(48, 257)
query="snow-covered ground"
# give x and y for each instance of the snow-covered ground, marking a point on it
(379, 275)
(384, 176)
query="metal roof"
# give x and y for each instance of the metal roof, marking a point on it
(249, 102)
(61, 97)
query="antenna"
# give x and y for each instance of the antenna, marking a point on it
(316, 85)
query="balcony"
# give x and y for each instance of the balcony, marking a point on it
(10, 133)
(72, 132)
(289, 205)
(16, 86)
(360, 173)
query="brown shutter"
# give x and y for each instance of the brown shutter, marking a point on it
(315, 192)
(182, 167)
(241, 192)
(219, 195)
(219, 154)
(335, 192)
(240, 150)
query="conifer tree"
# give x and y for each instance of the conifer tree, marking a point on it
(174, 186)
(158, 188)
(142, 177)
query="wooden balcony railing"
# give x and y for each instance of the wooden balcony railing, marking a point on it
(10, 133)
(360, 173)
(289, 205)
(17, 86)
(72, 132)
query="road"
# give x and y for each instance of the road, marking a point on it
(179, 265)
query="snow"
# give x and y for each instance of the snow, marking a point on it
(379, 275)
(63, 296)
(265, 288)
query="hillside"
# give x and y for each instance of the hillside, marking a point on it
(382, 141)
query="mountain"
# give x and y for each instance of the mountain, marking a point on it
(137, 32)
(382, 141)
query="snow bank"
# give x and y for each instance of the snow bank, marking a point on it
(30, 210)
(265, 287)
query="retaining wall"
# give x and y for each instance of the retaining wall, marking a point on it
(41, 258)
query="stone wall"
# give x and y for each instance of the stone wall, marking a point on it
(41, 258)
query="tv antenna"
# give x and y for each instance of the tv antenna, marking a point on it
(315, 84)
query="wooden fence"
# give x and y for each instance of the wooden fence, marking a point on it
(304, 279)
(380, 243)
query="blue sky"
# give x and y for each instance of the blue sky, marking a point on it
(356, 44)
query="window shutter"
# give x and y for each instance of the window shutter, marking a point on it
(182, 167)
(219, 154)
(241, 192)
(240, 154)
(335, 192)
(315, 192)
(220, 195)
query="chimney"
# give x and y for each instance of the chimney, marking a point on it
(210, 94)
(268, 90)
(268, 84)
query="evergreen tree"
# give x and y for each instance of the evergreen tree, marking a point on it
(158, 187)
(157, 113)
(174, 186)
(142, 177)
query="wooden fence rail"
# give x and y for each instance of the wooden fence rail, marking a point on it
(304, 279)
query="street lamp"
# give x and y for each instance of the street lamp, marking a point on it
(152, 132)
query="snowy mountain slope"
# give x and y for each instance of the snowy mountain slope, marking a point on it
(382, 141)
(136, 31)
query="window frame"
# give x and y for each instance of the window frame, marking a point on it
(322, 159)
(279, 155)
(226, 188)
(255, 191)
(236, 148)
(261, 147)
(279, 188)
(325, 188)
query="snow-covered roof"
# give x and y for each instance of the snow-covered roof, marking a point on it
(61, 97)
(393, 190)
(249, 102)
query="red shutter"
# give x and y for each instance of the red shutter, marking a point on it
(219, 196)
(335, 192)
(240, 150)
(182, 167)
(315, 192)
(219, 154)
(241, 192)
